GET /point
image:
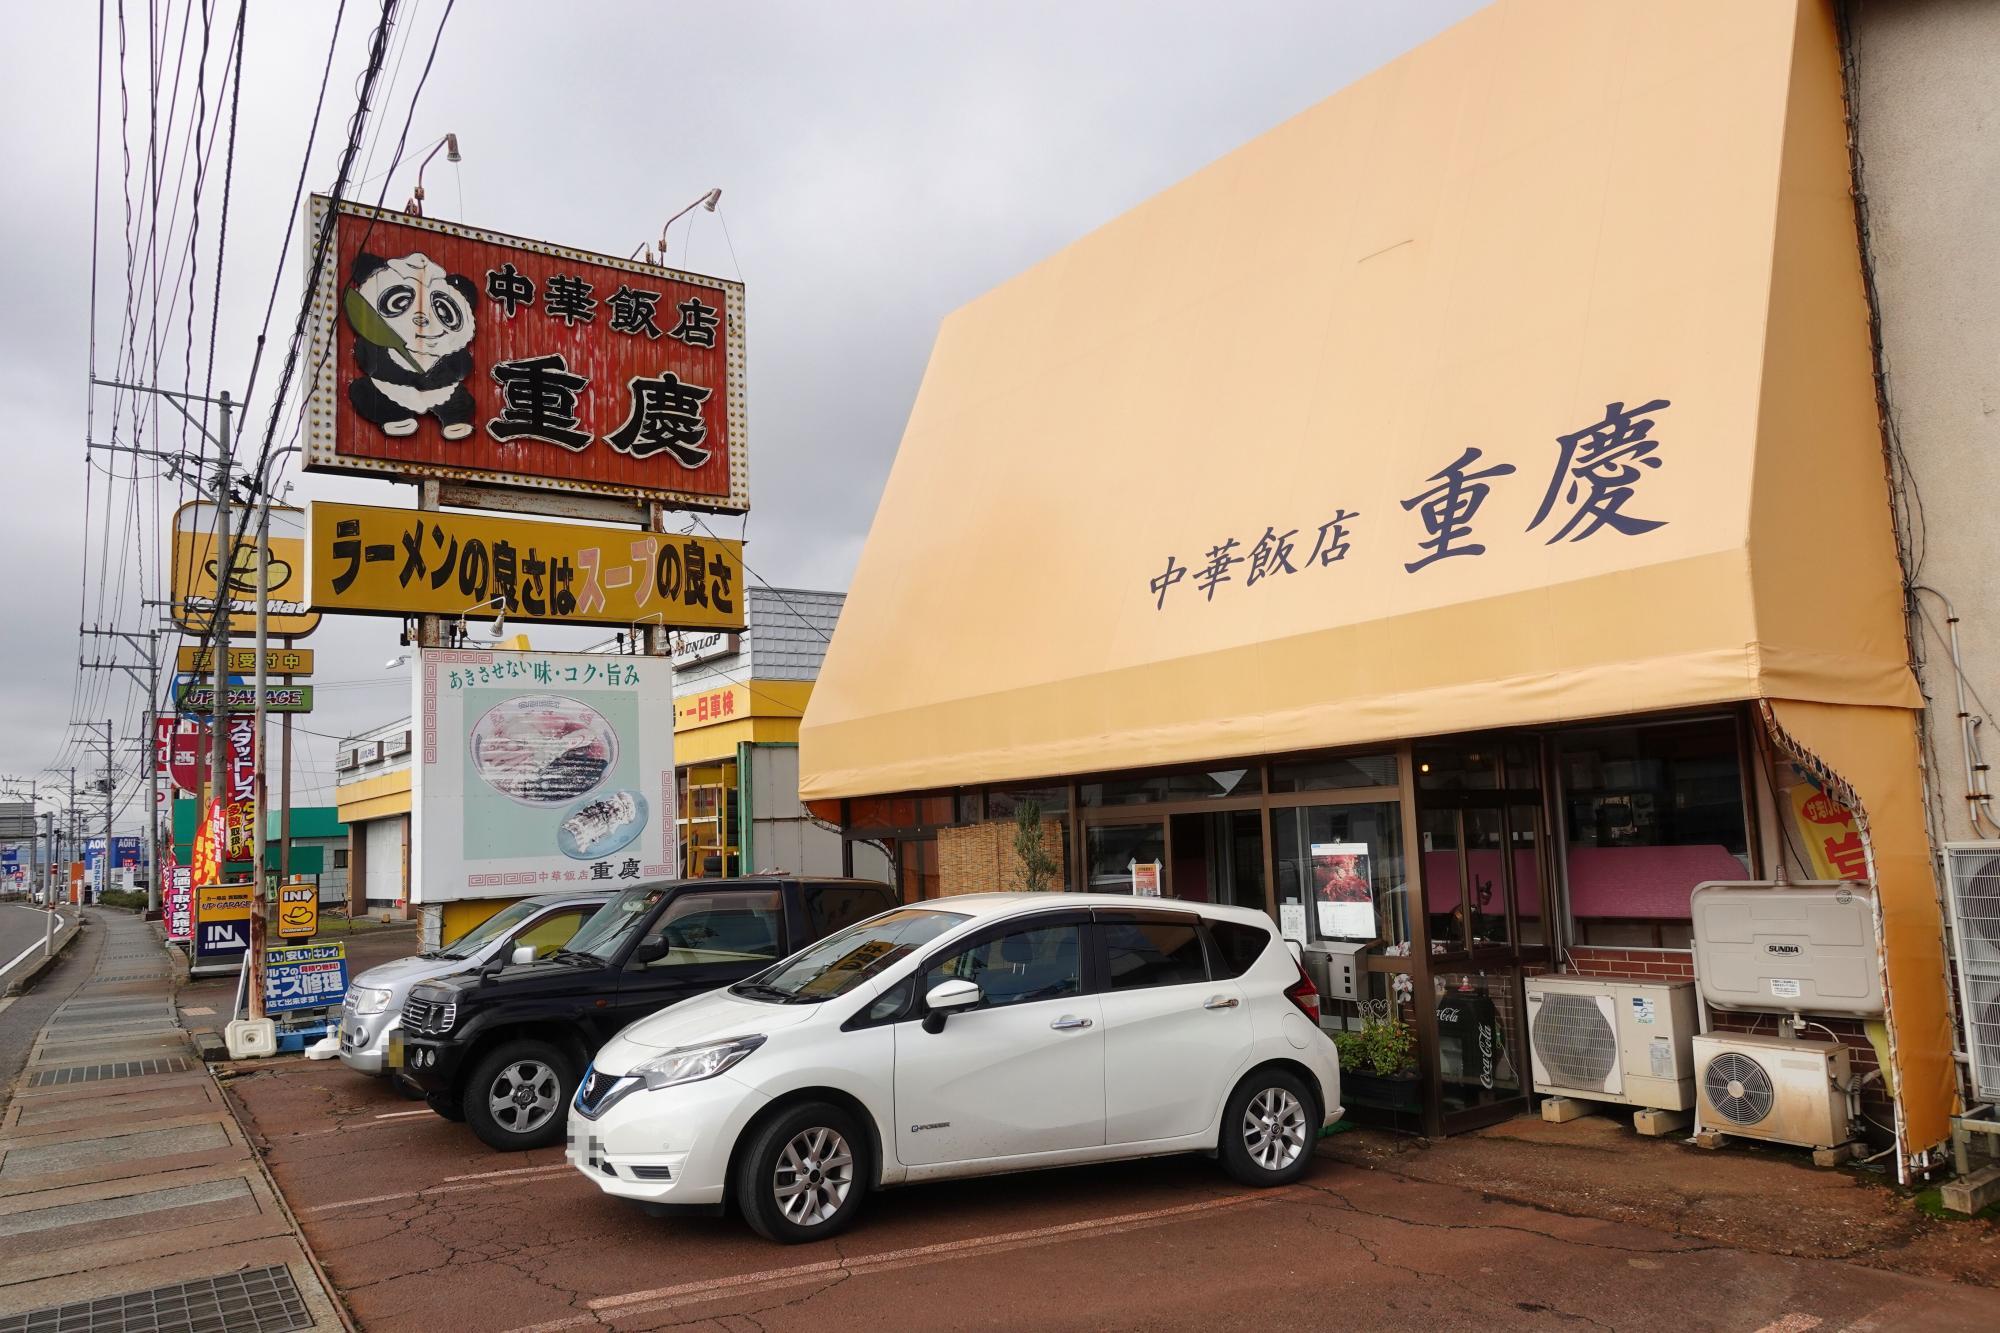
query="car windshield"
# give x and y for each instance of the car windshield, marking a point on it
(616, 923)
(841, 962)
(494, 927)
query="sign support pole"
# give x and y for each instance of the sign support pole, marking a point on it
(225, 565)
(285, 801)
(255, 957)
(152, 844)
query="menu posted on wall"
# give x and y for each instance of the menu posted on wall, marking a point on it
(1343, 892)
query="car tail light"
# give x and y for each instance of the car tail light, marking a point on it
(1305, 995)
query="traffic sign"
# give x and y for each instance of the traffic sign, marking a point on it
(298, 911)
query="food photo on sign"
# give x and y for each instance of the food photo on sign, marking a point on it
(541, 768)
(1343, 893)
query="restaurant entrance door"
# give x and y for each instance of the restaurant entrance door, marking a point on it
(1483, 853)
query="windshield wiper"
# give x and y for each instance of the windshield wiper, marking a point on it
(763, 991)
(567, 955)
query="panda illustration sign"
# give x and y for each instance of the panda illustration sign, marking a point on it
(413, 324)
(447, 352)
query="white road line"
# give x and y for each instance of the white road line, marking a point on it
(32, 947)
(658, 1299)
(525, 1176)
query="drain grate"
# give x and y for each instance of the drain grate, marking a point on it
(132, 976)
(48, 1078)
(258, 1300)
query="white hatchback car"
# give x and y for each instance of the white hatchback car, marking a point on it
(970, 1036)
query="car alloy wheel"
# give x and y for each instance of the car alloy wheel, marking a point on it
(1274, 1129)
(813, 1176)
(524, 1095)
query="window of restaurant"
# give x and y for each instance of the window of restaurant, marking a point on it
(1649, 812)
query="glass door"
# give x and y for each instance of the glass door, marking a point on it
(1481, 857)
(1128, 857)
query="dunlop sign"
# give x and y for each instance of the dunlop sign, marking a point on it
(405, 562)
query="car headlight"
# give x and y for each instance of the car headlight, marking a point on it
(368, 1000)
(691, 1064)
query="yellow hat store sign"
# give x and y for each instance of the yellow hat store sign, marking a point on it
(406, 562)
(200, 566)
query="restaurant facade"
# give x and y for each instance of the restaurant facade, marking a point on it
(1454, 522)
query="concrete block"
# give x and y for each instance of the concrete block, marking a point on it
(1710, 1139)
(1838, 1155)
(1969, 1194)
(1655, 1123)
(248, 1038)
(1562, 1110)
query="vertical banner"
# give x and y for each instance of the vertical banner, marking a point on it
(540, 769)
(1832, 838)
(177, 902)
(209, 839)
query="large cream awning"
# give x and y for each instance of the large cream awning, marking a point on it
(1545, 228)
(1544, 219)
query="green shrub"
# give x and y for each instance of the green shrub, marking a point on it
(1384, 1046)
(132, 900)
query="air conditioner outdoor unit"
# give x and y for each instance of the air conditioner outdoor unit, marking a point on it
(1972, 872)
(1613, 1039)
(1778, 1089)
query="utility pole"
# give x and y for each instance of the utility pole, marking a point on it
(110, 788)
(147, 680)
(218, 650)
(257, 837)
(225, 547)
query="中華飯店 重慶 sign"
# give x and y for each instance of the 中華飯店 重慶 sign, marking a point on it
(478, 357)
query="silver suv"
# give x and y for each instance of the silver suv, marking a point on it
(371, 1017)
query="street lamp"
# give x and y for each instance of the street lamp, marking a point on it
(708, 201)
(450, 145)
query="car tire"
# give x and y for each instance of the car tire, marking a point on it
(1269, 1126)
(518, 1096)
(445, 1105)
(802, 1175)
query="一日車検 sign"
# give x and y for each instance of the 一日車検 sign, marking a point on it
(449, 352)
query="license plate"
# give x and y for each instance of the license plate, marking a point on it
(395, 1056)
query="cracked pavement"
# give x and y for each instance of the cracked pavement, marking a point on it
(420, 1227)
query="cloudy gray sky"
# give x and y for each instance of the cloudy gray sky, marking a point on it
(881, 163)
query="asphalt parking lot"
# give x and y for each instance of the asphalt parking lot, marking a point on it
(420, 1226)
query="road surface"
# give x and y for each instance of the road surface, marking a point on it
(421, 1227)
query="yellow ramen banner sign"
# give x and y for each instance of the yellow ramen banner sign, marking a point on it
(405, 562)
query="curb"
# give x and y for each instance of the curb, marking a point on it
(24, 983)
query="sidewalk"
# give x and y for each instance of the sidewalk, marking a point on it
(128, 1196)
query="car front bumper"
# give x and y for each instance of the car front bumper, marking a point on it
(371, 1043)
(430, 1064)
(667, 1147)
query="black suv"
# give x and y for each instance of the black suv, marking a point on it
(502, 1048)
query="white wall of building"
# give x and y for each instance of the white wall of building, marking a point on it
(1927, 113)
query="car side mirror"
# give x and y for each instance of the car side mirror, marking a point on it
(523, 953)
(652, 951)
(945, 997)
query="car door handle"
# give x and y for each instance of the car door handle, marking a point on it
(1222, 1002)
(1069, 1023)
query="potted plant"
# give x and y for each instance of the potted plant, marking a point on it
(1378, 1065)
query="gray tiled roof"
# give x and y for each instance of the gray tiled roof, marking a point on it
(789, 629)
